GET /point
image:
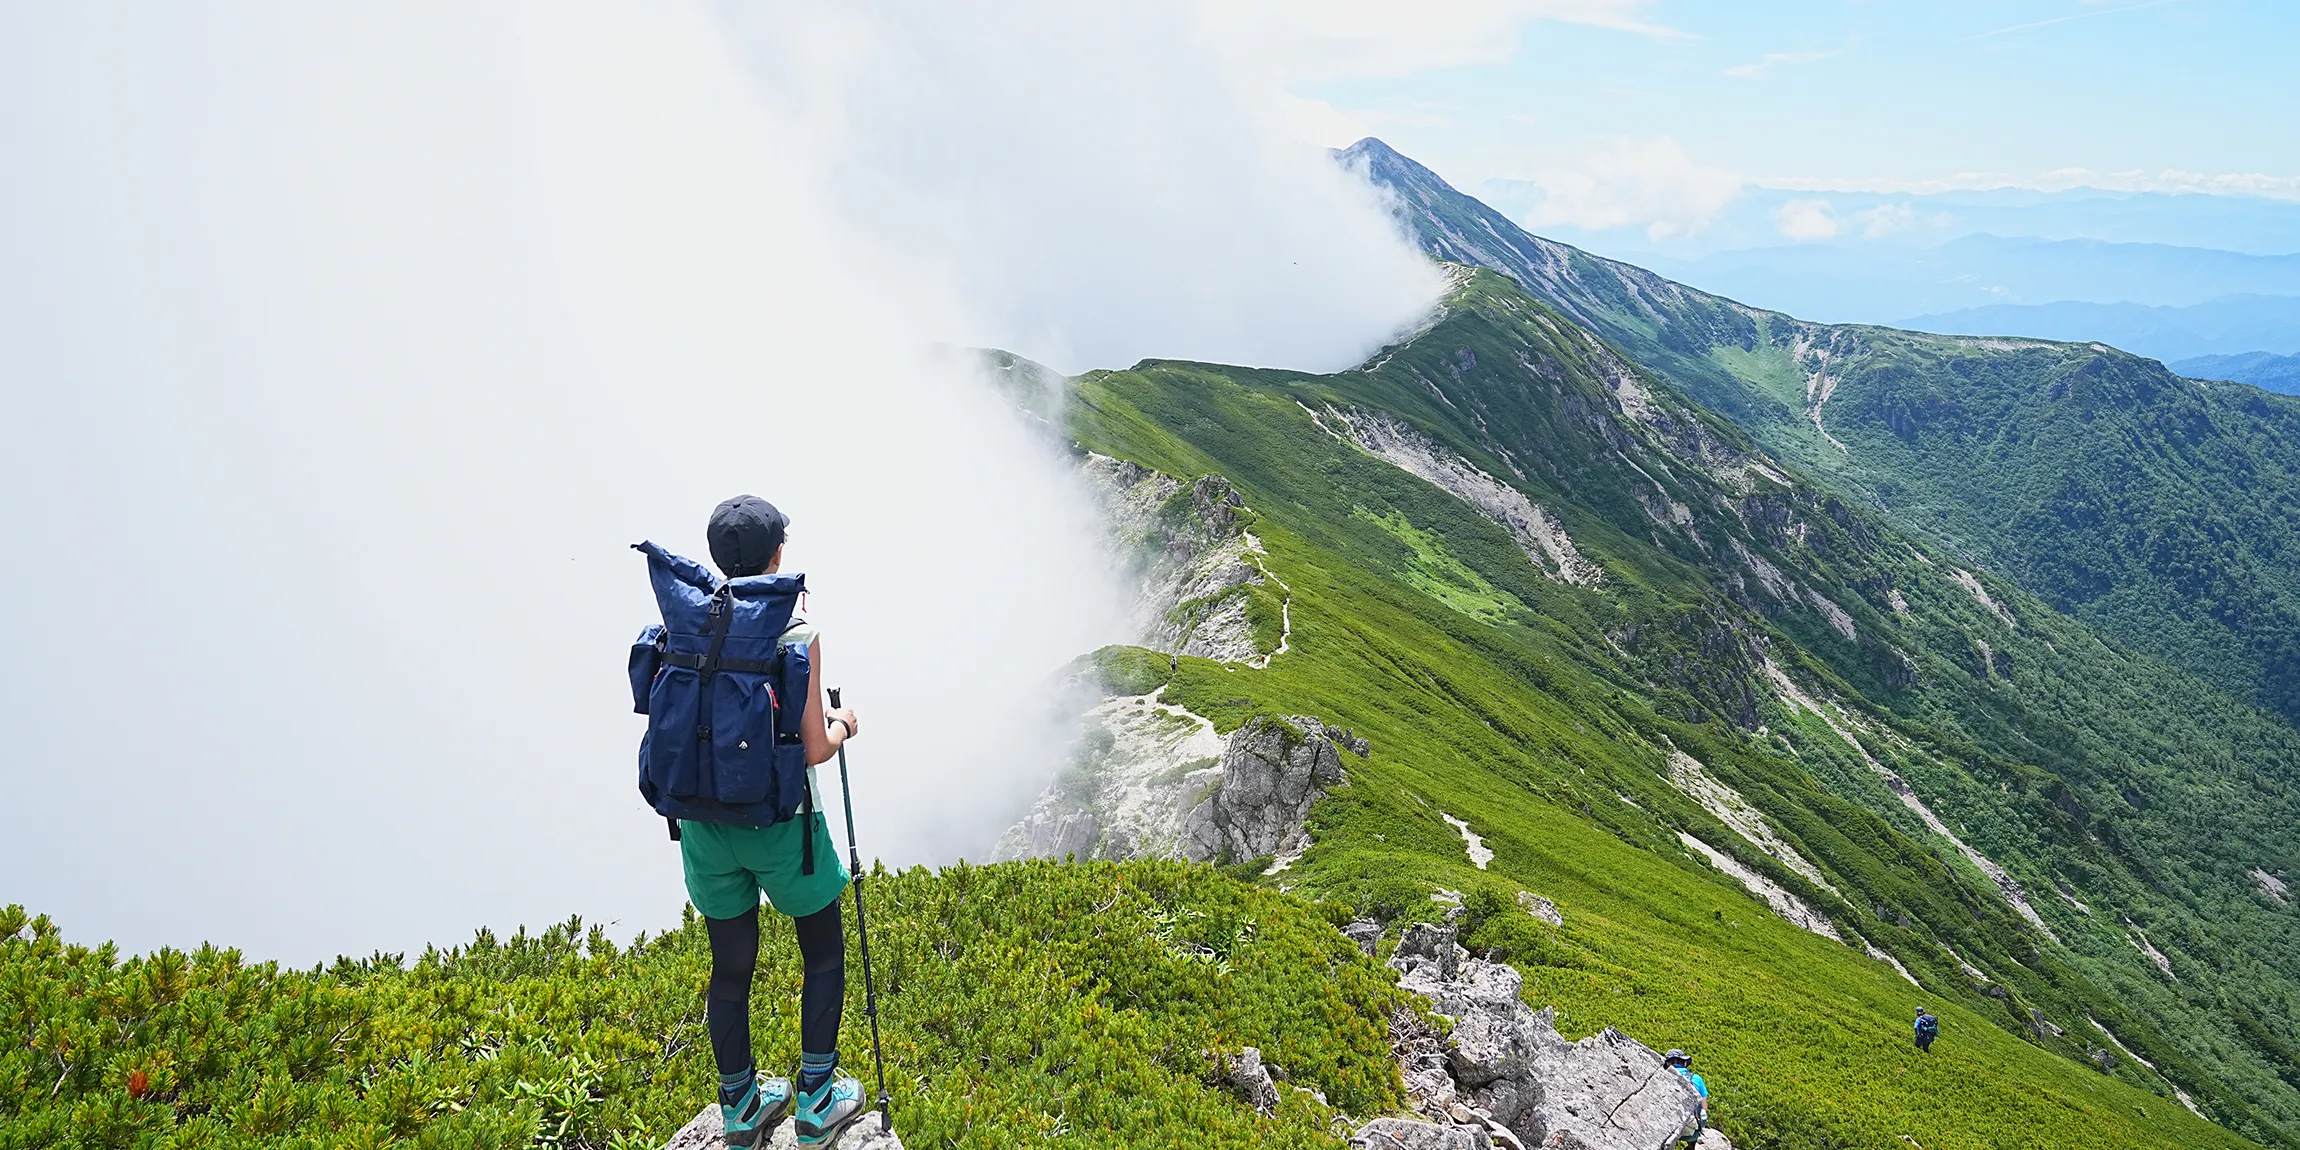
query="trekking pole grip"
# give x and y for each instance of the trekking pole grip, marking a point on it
(835, 697)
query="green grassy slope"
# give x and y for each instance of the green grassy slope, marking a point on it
(1027, 1004)
(2165, 512)
(1539, 711)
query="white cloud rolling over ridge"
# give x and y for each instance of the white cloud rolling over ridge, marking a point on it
(346, 349)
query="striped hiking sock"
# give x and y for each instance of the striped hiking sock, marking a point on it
(816, 1069)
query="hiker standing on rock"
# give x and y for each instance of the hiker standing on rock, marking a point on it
(1928, 1028)
(732, 687)
(1682, 1063)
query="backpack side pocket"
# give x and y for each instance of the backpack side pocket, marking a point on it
(672, 758)
(646, 659)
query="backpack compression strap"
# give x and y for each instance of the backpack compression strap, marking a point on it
(706, 662)
(722, 612)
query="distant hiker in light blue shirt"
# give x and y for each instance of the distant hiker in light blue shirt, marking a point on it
(1682, 1063)
(1928, 1028)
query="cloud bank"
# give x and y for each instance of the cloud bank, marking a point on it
(346, 349)
(1625, 182)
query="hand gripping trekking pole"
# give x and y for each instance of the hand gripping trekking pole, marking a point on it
(862, 929)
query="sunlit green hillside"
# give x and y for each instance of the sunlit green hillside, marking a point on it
(1654, 593)
(2164, 511)
(1542, 713)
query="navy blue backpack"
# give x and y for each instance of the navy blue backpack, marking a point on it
(724, 697)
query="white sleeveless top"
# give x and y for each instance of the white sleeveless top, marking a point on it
(802, 632)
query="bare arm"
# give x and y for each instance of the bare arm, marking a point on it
(823, 728)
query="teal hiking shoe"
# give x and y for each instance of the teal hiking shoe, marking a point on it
(827, 1110)
(753, 1115)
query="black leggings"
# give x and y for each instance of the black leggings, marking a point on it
(735, 958)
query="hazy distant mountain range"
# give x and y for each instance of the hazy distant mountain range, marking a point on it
(2166, 276)
(1883, 284)
(2258, 368)
(2229, 325)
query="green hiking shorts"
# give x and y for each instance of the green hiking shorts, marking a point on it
(728, 867)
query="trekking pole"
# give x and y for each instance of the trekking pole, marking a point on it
(862, 930)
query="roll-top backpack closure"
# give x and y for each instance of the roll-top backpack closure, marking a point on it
(721, 743)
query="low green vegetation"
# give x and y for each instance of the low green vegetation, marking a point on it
(1024, 1004)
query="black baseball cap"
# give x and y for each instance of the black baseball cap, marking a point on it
(744, 533)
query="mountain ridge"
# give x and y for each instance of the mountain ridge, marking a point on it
(1811, 621)
(2118, 505)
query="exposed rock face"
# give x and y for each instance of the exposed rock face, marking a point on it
(1537, 532)
(1838, 720)
(1406, 1134)
(1188, 555)
(1796, 910)
(1506, 1064)
(1149, 779)
(1157, 782)
(1138, 769)
(1271, 771)
(708, 1132)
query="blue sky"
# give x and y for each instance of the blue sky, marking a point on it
(1654, 108)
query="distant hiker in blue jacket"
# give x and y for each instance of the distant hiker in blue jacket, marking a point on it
(1928, 1028)
(729, 760)
(1682, 1063)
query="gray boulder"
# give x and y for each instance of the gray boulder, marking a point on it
(1271, 771)
(1609, 1090)
(1366, 932)
(1251, 1079)
(1540, 908)
(1506, 1061)
(1428, 945)
(1407, 1134)
(708, 1132)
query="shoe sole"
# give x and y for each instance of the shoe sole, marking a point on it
(765, 1130)
(831, 1136)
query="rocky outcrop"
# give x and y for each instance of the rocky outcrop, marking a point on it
(1271, 771)
(1154, 781)
(1507, 1074)
(1540, 908)
(1407, 1134)
(708, 1132)
(1185, 549)
(1137, 769)
(1251, 1079)
(1149, 779)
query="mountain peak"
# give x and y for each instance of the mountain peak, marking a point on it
(1391, 168)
